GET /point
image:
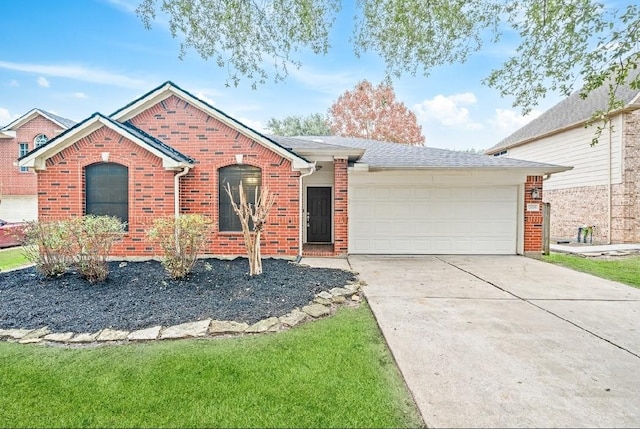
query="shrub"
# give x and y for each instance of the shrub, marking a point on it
(48, 246)
(92, 238)
(181, 239)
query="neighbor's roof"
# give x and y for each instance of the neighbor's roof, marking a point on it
(386, 155)
(569, 113)
(63, 122)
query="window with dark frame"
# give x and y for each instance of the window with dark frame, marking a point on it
(107, 190)
(23, 149)
(251, 178)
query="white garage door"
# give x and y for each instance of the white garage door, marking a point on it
(432, 220)
(17, 208)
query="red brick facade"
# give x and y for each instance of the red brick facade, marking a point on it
(212, 142)
(151, 188)
(12, 180)
(341, 209)
(533, 219)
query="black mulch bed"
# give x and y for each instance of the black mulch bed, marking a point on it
(138, 295)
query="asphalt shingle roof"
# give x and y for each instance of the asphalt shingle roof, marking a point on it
(68, 123)
(569, 112)
(394, 155)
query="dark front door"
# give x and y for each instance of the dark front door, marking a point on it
(319, 215)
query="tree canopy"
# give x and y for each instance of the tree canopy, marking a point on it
(314, 124)
(562, 43)
(374, 113)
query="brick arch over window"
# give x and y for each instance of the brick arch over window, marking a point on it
(107, 190)
(251, 178)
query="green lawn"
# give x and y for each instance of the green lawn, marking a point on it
(12, 258)
(335, 372)
(624, 269)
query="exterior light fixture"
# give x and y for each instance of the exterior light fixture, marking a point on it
(535, 194)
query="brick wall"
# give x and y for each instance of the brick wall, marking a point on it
(214, 145)
(532, 219)
(151, 193)
(340, 210)
(574, 207)
(12, 180)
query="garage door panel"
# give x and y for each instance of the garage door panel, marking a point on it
(433, 220)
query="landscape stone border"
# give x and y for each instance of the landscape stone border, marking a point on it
(324, 304)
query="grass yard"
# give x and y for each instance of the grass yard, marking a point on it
(625, 269)
(12, 258)
(335, 372)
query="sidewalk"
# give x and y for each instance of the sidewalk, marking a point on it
(596, 249)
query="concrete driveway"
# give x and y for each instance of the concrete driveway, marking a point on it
(508, 341)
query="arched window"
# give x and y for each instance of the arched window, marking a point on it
(40, 140)
(107, 190)
(251, 178)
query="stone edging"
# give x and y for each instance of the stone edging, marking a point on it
(324, 304)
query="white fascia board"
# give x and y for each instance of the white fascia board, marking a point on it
(9, 134)
(38, 159)
(167, 90)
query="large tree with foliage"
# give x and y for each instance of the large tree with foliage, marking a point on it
(314, 124)
(374, 113)
(561, 42)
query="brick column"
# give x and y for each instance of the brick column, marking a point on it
(533, 219)
(340, 209)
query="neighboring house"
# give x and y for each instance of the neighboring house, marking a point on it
(18, 199)
(169, 152)
(603, 188)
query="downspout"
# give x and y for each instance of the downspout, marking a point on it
(176, 203)
(176, 190)
(302, 221)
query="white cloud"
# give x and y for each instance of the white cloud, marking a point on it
(255, 125)
(78, 72)
(202, 96)
(508, 121)
(80, 95)
(43, 82)
(6, 117)
(448, 110)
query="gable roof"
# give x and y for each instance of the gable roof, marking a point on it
(572, 112)
(64, 123)
(171, 158)
(169, 88)
(386, 155)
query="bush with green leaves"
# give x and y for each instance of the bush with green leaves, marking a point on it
(48, 245)
(92, 238)
(181, 238)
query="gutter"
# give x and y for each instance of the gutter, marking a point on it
(301, 222)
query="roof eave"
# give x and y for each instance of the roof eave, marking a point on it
(532, 170)
(352, 154)
(37, 159)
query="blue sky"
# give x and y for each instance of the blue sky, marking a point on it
(74, 58)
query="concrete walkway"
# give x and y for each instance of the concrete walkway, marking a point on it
(508, 341)
(596, 249)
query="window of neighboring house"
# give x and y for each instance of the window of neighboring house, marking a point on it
(22, 151)
(501, 153)
(40, 140)
(107, 190)
(251, 178)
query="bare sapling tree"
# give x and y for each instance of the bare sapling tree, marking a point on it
(253, 218)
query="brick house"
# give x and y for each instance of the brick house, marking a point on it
(603, 188)
(18, 185)
(169, 152)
